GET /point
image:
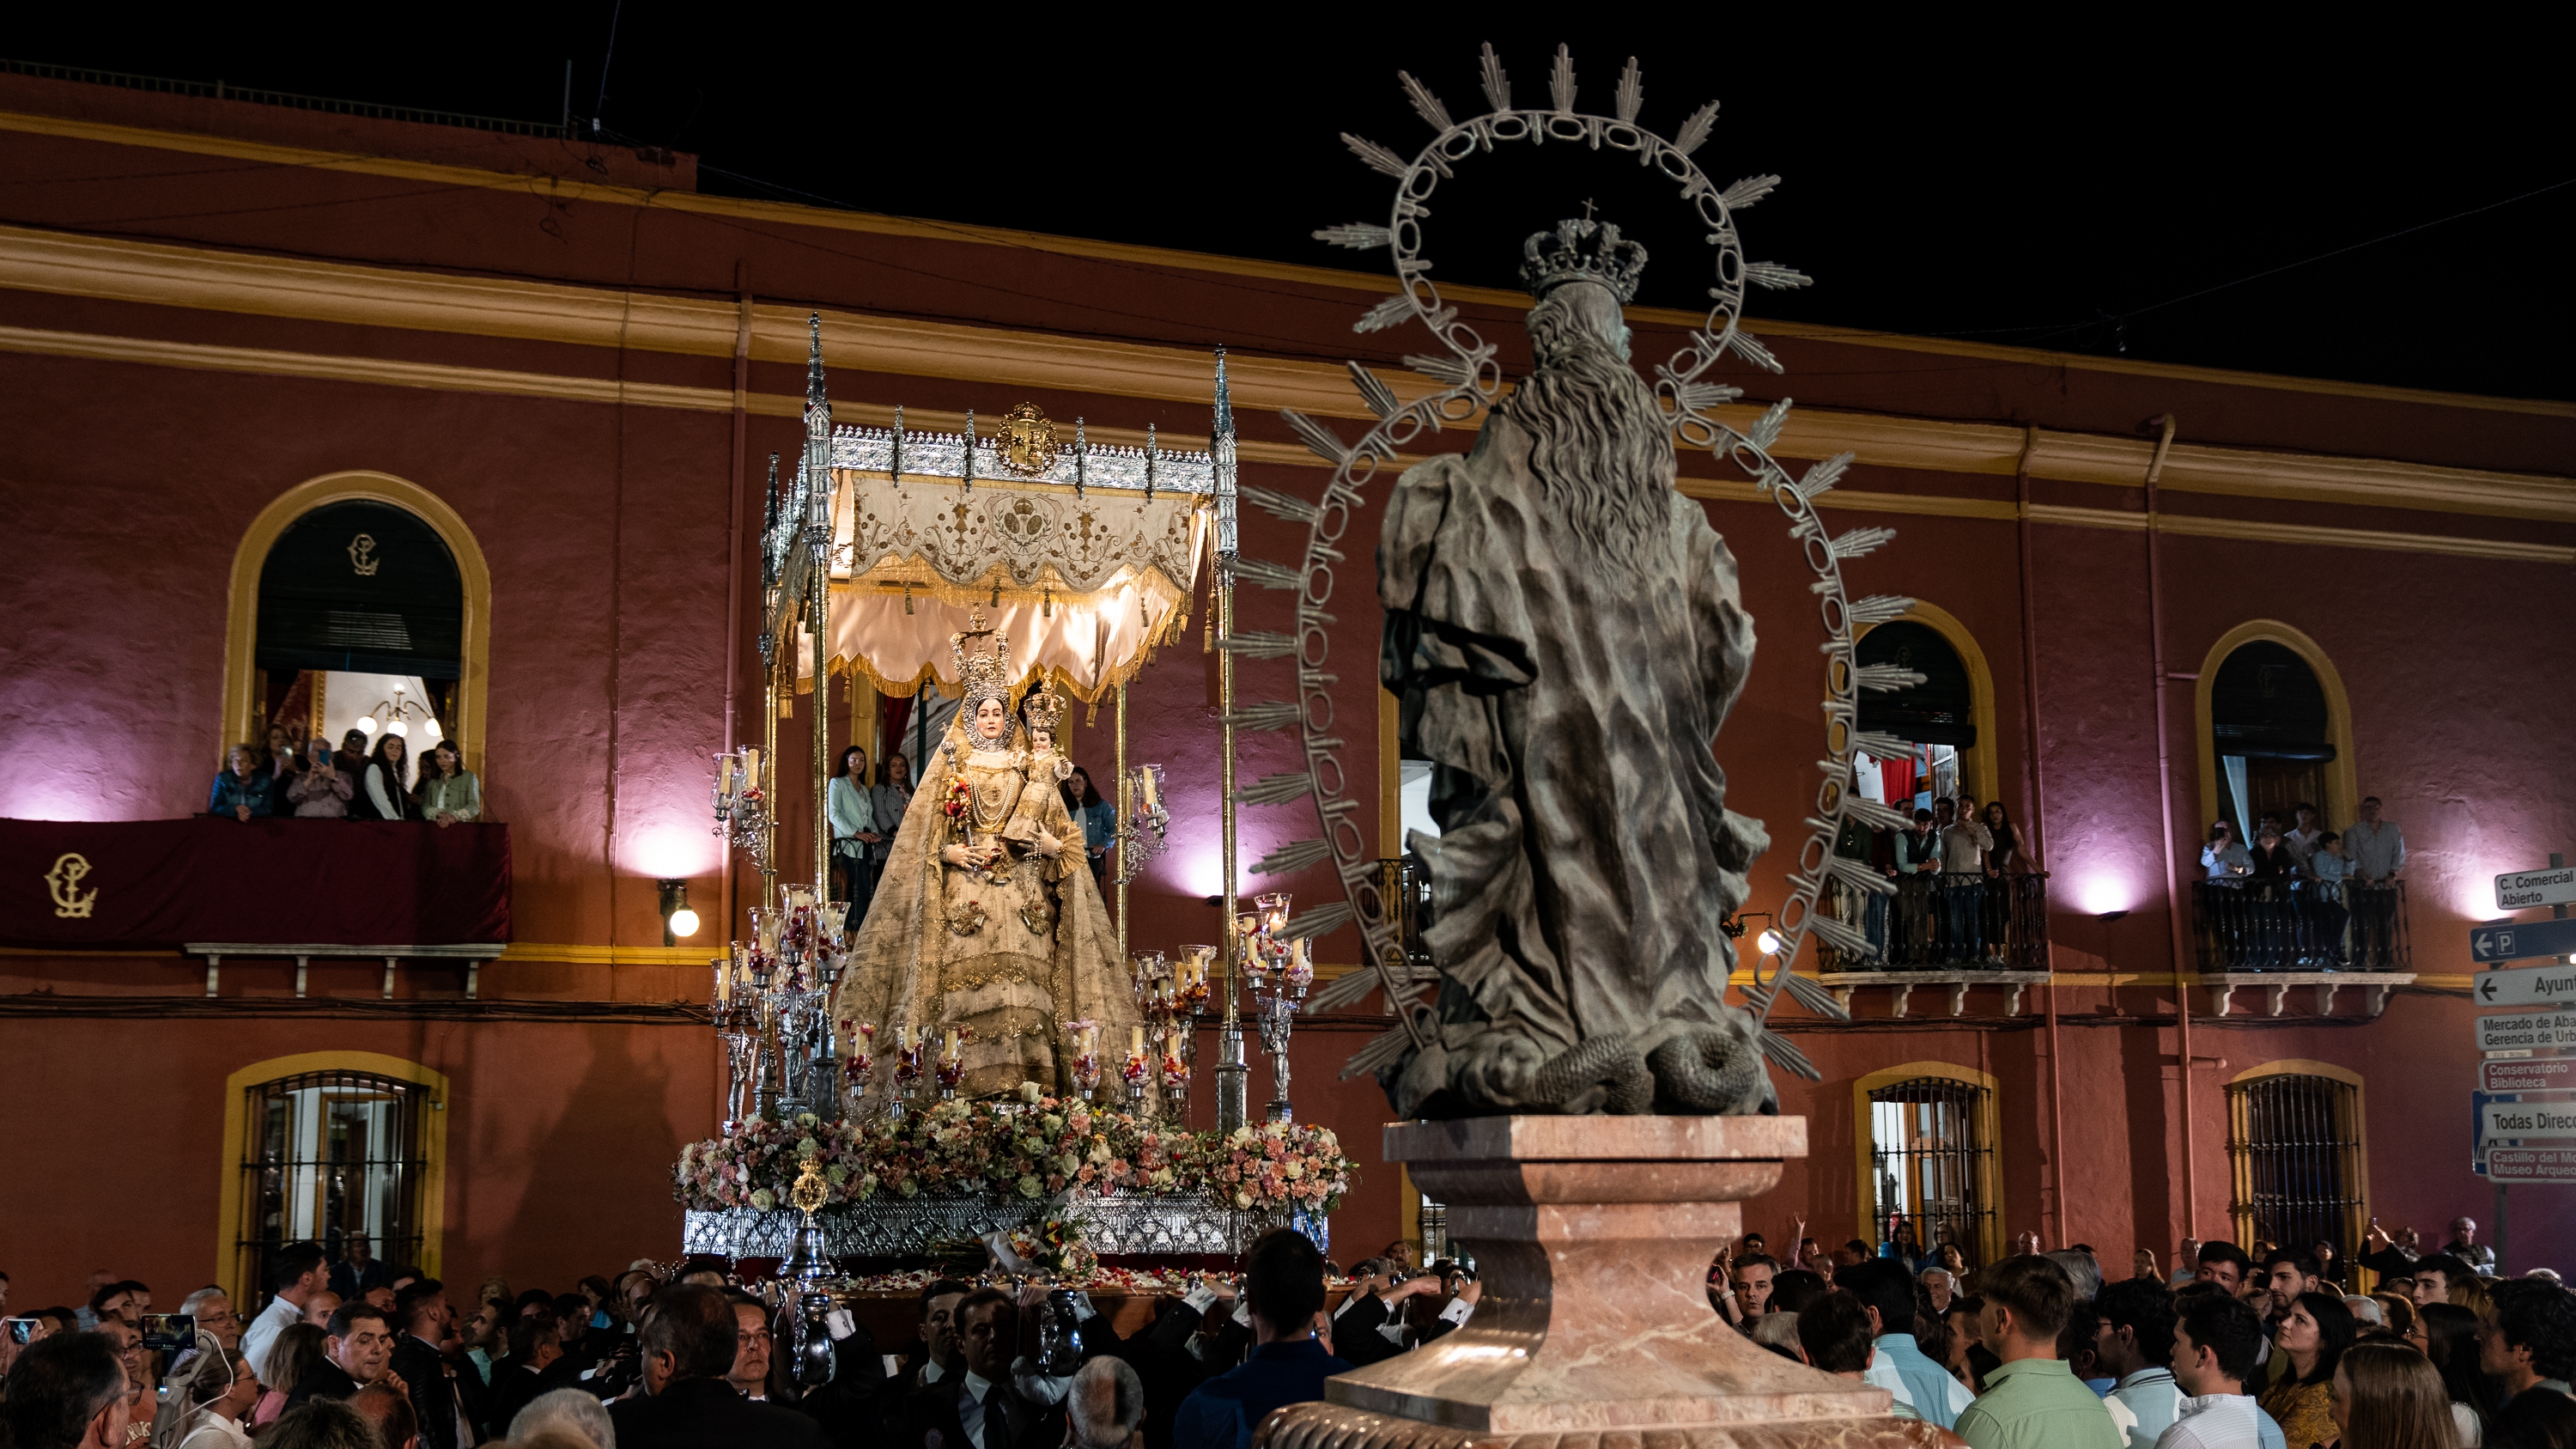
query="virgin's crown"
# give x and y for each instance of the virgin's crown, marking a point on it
(985, 676)
(1582, 251)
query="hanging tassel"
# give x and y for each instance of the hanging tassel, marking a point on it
(907, 598)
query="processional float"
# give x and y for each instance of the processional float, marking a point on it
(884, 551)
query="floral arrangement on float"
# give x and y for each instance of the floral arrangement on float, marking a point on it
(1021, 1148)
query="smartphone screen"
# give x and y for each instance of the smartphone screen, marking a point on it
(169, 1332)
(23, 1330)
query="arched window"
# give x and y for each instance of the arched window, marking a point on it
(1950, 716)
(328, 1156)
(360, 605)
(1926, 1134)
(368, 576)
(2275, 729)
(2272, 732)
(2294, 1134)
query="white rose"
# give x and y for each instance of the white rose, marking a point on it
(763, 1199)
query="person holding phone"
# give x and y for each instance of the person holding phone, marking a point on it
(322, 792)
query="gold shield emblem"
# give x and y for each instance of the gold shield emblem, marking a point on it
(70, 901)
(1027, 444)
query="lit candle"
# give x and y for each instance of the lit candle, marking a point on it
(724, 981)
(1145, 782)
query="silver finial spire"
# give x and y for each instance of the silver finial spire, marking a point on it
(1221, 452)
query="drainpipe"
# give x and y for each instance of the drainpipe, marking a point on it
(2164, 815)
(2032, 826)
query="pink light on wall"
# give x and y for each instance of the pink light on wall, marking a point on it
(2101, 892)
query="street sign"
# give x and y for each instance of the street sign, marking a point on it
(2531, 1164)
(2528, 1118)
(2520, 890)
(2518, 940)
(2527, 1074)
(2527, 1031)
(2551, 985)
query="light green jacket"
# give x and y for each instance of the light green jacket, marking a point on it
(2038, 1403)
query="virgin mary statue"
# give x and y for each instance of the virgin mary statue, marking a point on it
(986, 919)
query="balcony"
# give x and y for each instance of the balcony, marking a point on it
(2273, 935)
(1948, 931)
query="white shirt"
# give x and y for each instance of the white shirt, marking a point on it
(2215, 1421)
(970, 1407)
(273, 1320)
(214, 1431)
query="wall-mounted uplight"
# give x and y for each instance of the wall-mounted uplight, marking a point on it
(677, 919)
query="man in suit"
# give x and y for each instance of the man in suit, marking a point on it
(358, 1271)
(358, 1351)
(689, 1344)
(979, 1408)
(422, 1356)
(1284, 1288)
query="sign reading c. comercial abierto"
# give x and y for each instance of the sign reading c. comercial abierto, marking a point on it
(2520, 890)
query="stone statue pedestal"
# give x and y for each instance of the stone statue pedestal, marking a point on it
(1594, 1236)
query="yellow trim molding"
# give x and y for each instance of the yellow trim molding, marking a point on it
(241, 624)
(2239, 1166)
(433, 1155)
(212, 280)
(1990, 1177)
(585, 955)
(2343, 798)
(1981, 776)
(885, 225)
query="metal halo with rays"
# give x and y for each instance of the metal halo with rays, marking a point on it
(1470, 380)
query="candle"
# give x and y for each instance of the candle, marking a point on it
(724, 981)
(1135, 1041)
(1145, 781)
(751, 762)
(952, 1044)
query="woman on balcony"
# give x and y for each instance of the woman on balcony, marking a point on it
(448, 794)
(388, 793)
(241, 790)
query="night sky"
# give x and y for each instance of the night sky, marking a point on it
(2100, 193)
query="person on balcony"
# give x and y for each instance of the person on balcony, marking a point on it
(322, 792)
(2268, 888)
(242, 789)
(890, 797)
(1918, 869)
(2377, 850)
(279, 766)
(387, 790)
(1964, 845)
(448, 793)
(351, 759)
(2008, 857)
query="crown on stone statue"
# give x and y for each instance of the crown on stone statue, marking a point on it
(1582, 251)
(1043, 709)
(985, 676)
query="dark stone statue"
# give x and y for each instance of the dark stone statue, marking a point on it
(1565, 634)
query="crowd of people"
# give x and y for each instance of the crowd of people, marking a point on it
(355, 782)
(2238, 1350)
(356, 1354)
(865, 817)
(2304, 896)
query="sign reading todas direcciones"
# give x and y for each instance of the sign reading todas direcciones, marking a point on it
(2527, 1031)
(2528, 1118)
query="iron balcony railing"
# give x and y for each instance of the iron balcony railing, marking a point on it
(1961, 922)
(2251, 924)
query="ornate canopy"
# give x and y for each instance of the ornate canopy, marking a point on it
(1087, 564)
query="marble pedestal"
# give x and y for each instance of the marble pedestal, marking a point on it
(1594, 1236)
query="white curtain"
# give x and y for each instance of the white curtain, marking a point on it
(2235, 766)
